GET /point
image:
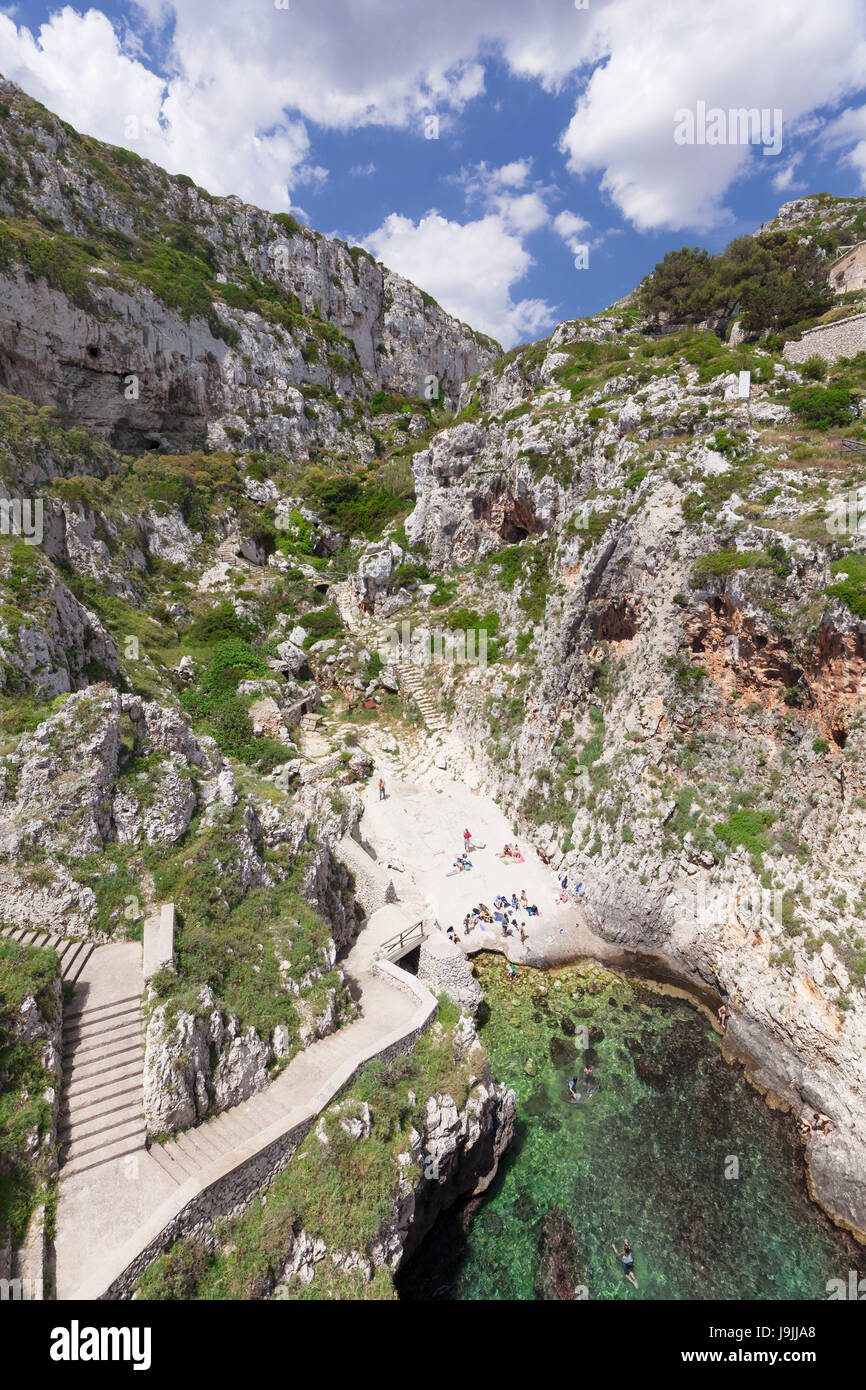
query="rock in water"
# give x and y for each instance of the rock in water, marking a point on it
(559, 1274)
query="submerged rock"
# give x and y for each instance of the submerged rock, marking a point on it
(559, 1277)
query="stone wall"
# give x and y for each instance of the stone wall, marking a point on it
(373, 885)
(830, 340)
(848, 271)
(443, 966)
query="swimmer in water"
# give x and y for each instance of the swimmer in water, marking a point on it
(625, 1254)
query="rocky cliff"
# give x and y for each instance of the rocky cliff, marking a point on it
(674, 577)
(159, 316)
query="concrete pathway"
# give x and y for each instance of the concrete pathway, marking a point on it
(105, 1203)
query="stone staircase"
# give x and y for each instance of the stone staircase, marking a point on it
(194, 1150)
(103, 1067)
(73, 953)
(414, 683)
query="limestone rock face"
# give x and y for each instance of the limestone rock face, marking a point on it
(54, 644)
(176, 1071)
(134, 368)
(63, 777)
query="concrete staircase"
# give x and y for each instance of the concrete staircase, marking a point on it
(195, 1150)
(103, 1067)
(73, 953)
(414, 683)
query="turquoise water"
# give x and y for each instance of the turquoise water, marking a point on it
(673, 1150)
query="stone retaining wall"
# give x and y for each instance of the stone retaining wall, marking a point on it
(845, 338)
(374, 887)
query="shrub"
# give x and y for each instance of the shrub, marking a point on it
(852, 588)
(822, 407)
(814, 368)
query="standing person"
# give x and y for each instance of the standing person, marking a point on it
(381, 788)
(522, 934)
(724, 1015)
(467, 840)
(625, 1254)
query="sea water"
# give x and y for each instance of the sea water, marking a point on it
(670, 1148)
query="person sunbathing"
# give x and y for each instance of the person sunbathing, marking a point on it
(524, 901)
(485, 912)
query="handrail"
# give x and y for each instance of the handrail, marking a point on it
(399, 941)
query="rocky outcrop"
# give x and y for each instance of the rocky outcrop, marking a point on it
(443, 966)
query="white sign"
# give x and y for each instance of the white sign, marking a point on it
(745, 386)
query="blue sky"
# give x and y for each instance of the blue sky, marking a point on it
(555, 124)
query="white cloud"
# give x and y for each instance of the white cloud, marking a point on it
(470, 268)
(245, 79)
(787, 54)
(363, 170)
(569, 226)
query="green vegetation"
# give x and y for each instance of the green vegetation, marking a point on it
(823, 407)
(237, 939)
(24, 1110)
(359, 505)
(527, 566)
(213, 698)
(776, 278)
(724, 563)
(851, 586)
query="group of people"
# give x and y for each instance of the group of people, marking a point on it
(588, 1080)
(462, 863)
(821, 1124)
(511, 852)
(504, 910)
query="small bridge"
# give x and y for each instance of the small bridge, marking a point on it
(402, 942)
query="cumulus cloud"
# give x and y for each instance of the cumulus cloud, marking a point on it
(570, 226)
(240, 85)
(787, 54)
(470, 268)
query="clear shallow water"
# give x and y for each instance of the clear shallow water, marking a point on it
(645, 1157)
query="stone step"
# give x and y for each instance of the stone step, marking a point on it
(96, 1012)
(113, 1035)
(168, 1165)
(87, 1110)
(238, 1127)
(125, 1144)
(107, 1081)
(88, 1145)
(78, 1127)
(103, 1066)
(199, 1151)
(181, 1160)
